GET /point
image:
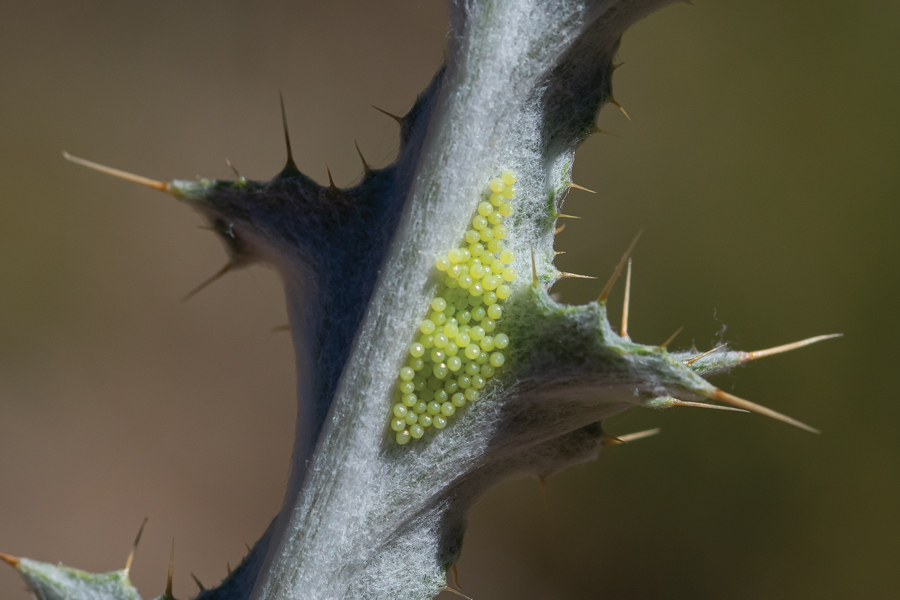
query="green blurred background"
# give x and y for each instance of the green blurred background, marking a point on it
(761, 163)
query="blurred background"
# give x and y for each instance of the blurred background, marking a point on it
(761, 162)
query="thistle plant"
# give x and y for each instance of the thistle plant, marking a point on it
(432, 361)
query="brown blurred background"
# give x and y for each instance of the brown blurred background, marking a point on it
(761, 162)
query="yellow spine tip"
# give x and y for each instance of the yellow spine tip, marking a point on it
(10, 560)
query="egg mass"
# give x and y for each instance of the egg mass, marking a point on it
(460, 341)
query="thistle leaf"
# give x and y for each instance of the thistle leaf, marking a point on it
(59, 582)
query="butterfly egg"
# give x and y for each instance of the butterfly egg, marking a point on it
(457, 350)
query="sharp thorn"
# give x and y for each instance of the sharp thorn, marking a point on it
(161, 186)
(247, 546)
(614, 67)
(279, 328)
(137, 540)
(639, 435)
(558, 252)
(366, 166)
(627, 301)
(618, 270)
(670, 401)
(564, 275)
(677, 402)
(579, 187)
(562, 216)
(221, 272)
(559, 229)
(694, 359)
(393, 116)
(197, 581)
(597, 130)
(534, 277)
(168, 593)
(619, 106)
(233, 168)
(672, 337)
(10, 560)
(788, 347)
(331, 185)
(228, 567)
(733, 400)
(447, 588)
(455, 573)
(290, 164)
(609, 440)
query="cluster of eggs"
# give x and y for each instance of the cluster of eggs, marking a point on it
(460, 343)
